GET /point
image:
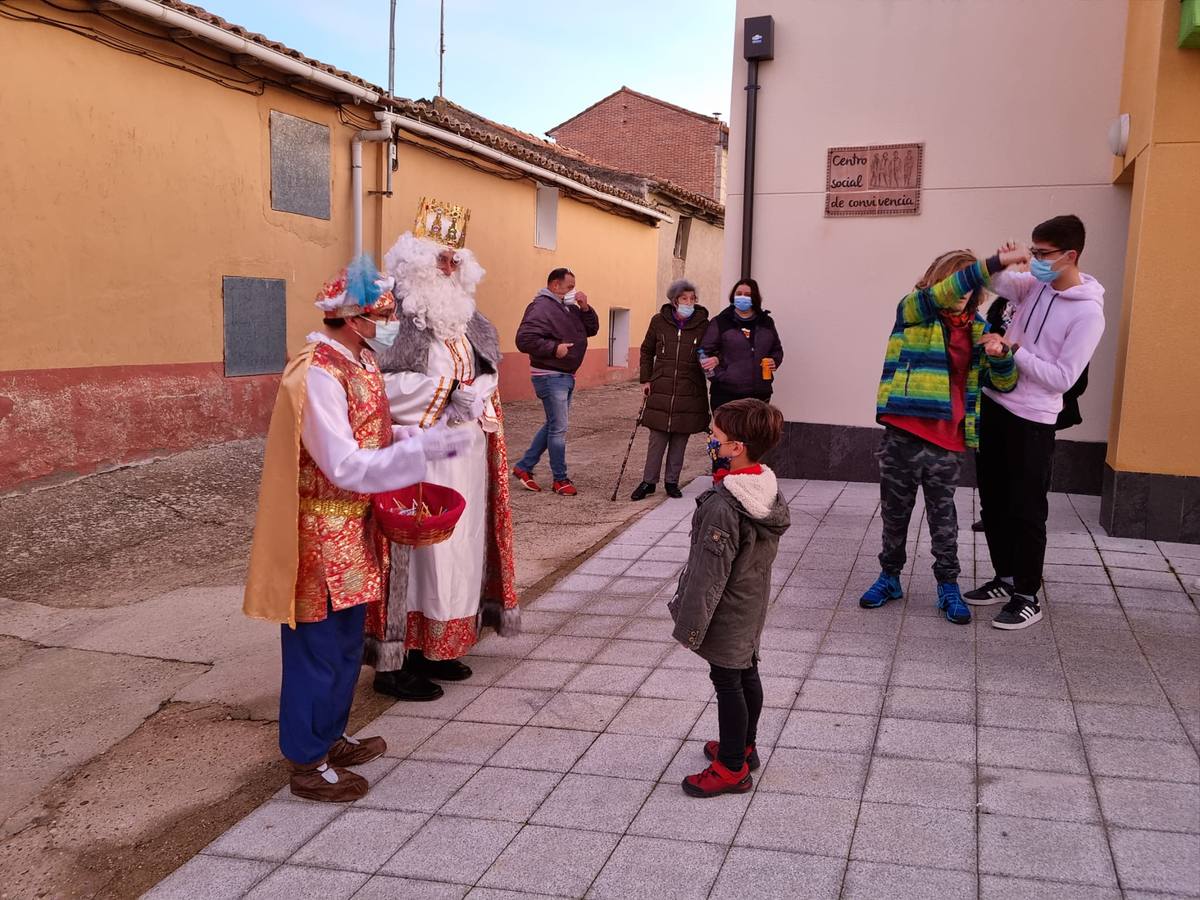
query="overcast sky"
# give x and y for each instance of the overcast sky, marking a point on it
(526, 63)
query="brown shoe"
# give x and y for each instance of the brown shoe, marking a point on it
(326, 784)
(348, 752)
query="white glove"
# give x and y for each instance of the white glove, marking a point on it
(442, 442)
(466, 404)
(405, 432)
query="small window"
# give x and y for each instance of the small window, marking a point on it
(255, 313)
(681, 236)
(546, 229)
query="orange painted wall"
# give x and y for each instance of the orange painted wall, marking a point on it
(129, 188)
(1156, 411)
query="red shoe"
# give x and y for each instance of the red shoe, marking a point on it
(717, 779)
(526, 479)
(565, 488)
(710, 751)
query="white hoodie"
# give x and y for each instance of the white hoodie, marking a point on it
(1058, 333)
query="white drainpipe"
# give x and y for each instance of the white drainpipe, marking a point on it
(380, 134)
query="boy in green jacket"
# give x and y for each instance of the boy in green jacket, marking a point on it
(721, 603)
(928, 402)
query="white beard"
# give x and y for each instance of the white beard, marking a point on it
(438, 304)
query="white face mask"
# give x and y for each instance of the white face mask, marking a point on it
(569, 297)
(385, 335)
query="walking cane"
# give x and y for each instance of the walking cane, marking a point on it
(629, 449)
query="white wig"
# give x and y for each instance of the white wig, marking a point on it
(442, 304)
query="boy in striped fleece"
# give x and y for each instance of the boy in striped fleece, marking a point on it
(928, 403)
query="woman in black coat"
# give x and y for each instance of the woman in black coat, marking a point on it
(674, 385)
(741, 348)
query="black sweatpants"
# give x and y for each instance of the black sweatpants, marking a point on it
(1014, 465)
(739, 704)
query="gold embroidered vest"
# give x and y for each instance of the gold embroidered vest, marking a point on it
(342, 554)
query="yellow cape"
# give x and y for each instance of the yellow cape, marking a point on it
(275, 553)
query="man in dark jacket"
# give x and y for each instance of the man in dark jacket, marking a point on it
(554, 334)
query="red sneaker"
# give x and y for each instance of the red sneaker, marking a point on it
(526, 479)
(710, 751)
(565, 488)
(717, 779)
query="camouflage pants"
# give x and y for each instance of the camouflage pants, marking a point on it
(906, 463)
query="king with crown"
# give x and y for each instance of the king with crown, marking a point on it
(318, 564)
(444, 367)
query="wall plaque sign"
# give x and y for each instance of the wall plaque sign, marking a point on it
(876, 180)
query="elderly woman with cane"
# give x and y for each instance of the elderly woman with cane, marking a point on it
(676, 395)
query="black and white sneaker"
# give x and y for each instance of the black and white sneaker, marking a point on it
(1018, 613)
(995, 591)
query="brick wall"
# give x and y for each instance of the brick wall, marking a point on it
(638, 134)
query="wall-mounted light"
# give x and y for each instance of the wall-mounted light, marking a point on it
(1118, 135)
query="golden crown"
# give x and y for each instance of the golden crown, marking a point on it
(445, 223)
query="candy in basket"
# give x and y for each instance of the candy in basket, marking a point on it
(420, 515)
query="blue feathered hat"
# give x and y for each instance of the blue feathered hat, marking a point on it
(358, 289)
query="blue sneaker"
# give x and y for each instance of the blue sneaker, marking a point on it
(950, 601)
(886, 587)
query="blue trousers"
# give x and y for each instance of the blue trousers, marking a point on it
(321, 661)
(555, 392)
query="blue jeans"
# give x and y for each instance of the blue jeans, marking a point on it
(555, 392)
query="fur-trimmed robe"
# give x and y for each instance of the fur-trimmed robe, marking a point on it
(498, 603)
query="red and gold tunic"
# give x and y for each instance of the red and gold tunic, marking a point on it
(343, 557)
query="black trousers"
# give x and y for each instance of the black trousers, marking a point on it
(1014, 465)
(739, 704)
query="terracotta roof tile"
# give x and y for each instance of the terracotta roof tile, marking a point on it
(204, 15)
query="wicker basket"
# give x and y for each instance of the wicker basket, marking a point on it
(420, 515)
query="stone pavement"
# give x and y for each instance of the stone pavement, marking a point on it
(902, 756)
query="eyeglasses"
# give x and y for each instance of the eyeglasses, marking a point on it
(1046, 252)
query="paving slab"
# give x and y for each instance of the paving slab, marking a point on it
(452, 849)
(304, 883)
(360, 840)
(553, 861)
(879, 881)
(749, 874)
(654, 867)
(211, 877)
(1033, 848)
(594, 803)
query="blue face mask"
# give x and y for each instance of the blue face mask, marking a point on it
(714, 447)
(1043, 270)
(743, 304)
(684, 311)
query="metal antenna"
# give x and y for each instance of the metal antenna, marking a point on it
(392, 54)
(442, 49)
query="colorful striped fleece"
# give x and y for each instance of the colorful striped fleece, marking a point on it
(916, 369)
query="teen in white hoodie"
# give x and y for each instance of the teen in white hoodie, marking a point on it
(1057, 322)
